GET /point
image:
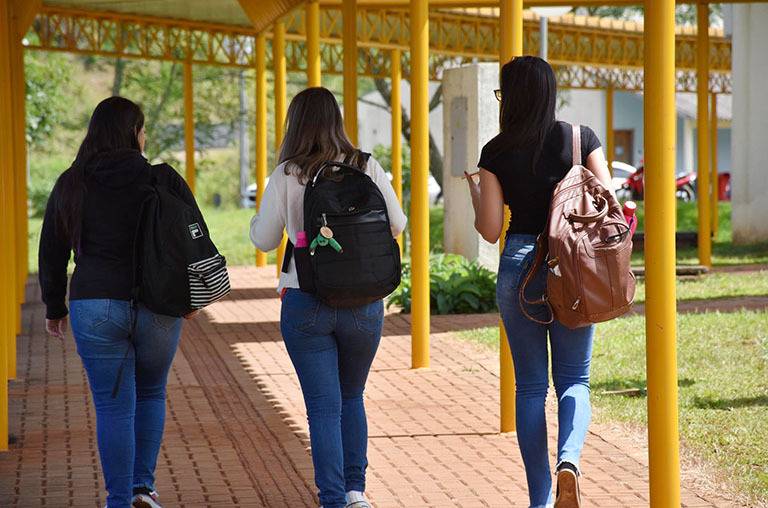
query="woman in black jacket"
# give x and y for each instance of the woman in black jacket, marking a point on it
(93, 210)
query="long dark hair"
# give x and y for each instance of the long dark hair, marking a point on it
(314, 132)
(114, 125)
(528, 100)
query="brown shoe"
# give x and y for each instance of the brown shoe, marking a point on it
(567, 489)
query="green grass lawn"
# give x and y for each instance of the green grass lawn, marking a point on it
(723, 387)
(723, 250)
(716, 285)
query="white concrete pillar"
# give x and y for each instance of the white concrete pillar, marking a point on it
(749, 185)
(471, 119)
(688, 146)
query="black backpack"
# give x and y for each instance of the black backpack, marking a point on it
(360, 262)
(177, 267)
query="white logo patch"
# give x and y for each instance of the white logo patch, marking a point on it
(195, 231)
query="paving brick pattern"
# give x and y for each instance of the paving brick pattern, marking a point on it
(236, 431)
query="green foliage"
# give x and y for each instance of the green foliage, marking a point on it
(42, 176)
(457, 286)
(46, 75)
(684, 14)
(436, 229)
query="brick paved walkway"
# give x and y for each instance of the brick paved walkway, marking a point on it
(236, 431)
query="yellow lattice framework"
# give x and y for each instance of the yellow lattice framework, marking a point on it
(584, 55)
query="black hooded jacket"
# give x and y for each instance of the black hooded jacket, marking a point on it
(116, 186)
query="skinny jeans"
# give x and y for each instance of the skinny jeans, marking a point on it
(571, 356)
(332, 350)
(129, 427)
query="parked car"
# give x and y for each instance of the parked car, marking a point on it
(249, 200)
(633, 186)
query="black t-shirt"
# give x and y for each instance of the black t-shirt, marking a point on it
(527, 193)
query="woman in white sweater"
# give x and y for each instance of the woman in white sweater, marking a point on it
(332, 348)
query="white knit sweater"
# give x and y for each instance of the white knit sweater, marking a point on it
(282, 207)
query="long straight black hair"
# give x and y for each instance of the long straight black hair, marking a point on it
(528, 100)
(114, 125)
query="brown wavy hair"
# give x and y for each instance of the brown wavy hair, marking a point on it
(314, 134)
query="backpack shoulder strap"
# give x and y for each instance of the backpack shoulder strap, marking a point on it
(576, 144)
(287, 256)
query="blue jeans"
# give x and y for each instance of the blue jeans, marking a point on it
(571, 356)
(332, 350)
(129, 427)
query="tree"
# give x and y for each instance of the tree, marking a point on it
(435, 159)
(45, 75)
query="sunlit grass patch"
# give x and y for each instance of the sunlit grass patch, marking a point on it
(722, 387)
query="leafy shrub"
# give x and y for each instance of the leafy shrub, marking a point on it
(456, 286)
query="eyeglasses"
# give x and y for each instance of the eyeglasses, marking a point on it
(497, 93)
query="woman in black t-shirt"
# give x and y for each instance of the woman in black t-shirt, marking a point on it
(520, 168)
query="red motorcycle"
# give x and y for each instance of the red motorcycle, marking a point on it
(685, 185)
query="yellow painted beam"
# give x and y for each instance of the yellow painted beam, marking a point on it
(702, 177)
(313, 43)
(713, 167)
(460, 35)
(609, 149)
(442, 4)
(23, 13)
(397, 129)
(279, 70)
(420, 312)
(349, 33)
(261, 129)
(660, 205)
(510, 46)
(189, 126)
(263, 13)
(7, 291)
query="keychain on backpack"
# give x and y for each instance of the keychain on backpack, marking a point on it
(325, 237)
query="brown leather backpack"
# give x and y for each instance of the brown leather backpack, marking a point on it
(587, 247)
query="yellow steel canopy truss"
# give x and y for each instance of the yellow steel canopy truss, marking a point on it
(585, 53)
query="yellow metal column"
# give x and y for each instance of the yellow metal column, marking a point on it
(660, 205)
(278, 67)
(609, 127)
(23, 12)
(261, 129)
(702, 177)
(9, 291)
(713, 167)
(7, 269)
(511, 45)
(396, 69)
(419, 177)
(313, 43)
(349, 35)
(189, 125)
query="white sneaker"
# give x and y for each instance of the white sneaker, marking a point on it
(145, 498)
(356, 499)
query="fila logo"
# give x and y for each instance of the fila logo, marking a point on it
(195, 232)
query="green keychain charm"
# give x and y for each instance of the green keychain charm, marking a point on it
(322, 241)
